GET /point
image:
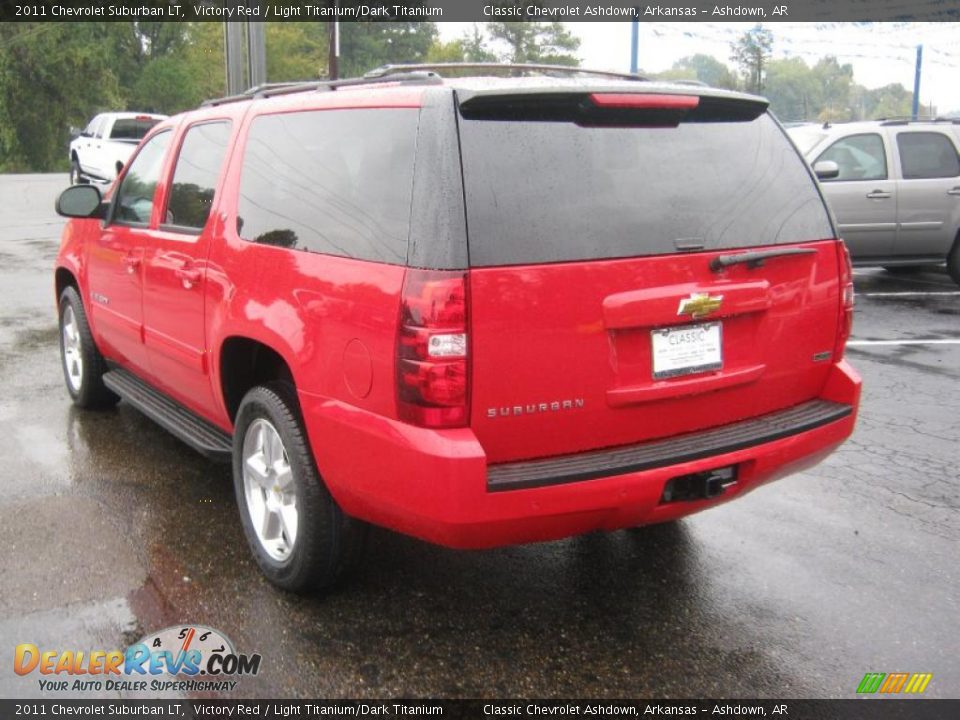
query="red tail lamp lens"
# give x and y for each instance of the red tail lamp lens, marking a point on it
(432, 349)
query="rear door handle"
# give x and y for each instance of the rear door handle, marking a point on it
(188, 276)
(131, 262)
(954, 191)
(878, 195)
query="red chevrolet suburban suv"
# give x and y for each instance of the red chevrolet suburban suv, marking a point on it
(478, 310)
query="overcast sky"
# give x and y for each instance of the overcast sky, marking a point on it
(881, 53)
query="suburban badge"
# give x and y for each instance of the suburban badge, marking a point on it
(699, 304)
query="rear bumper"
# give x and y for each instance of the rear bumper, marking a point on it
(436, 485)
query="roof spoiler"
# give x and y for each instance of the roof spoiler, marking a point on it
(601, 107)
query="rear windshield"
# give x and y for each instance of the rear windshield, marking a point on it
(132, 128)
(540, 192)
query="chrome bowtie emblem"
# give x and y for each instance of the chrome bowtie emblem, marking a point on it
(699, 305)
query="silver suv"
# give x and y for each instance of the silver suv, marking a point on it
(894, 187)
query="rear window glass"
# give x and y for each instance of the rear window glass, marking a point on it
(330, 181)
(555, 191)
(131, 128)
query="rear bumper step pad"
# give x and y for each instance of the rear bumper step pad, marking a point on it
(196, 432)
(661, 453)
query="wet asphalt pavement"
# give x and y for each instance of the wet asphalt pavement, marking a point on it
(111, 528)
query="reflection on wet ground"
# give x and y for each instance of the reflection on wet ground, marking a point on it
(113, 529)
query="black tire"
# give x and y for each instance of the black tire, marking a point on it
(327, 542)
(86, 388)
(953, 261)
(75, 174)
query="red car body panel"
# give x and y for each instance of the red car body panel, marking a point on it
(582, 331)
(537, 334)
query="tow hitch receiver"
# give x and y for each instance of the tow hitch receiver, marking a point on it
(699, 486)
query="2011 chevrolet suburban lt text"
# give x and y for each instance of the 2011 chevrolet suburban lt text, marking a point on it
(480, 311)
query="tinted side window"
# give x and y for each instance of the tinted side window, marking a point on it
(195, 177)
(859, 157)
(927, 155)
(134, 200)
(330, 181)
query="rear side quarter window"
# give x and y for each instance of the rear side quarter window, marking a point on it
(337, 182)
(925, 155)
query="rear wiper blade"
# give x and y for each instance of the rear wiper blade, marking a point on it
(756, 258)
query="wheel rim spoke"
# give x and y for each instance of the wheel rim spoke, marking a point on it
(269, 489)
(72, 355)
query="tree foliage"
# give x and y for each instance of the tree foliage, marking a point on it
(57, 75)
(470, 48)
(52, 76)
(704, 68)
(367, 45)
(751, 54)
(536, 42)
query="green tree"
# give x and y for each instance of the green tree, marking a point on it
(536, 42)
(751, 54)
(52, 76)
(470, 48)
(189, 72)
(367, 45)
(889, 101)
(296, 51)
(795, 93)
(704, 68)
(836, 82)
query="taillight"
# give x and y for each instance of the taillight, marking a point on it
(645, 101)
(432, 349)
(846, 300)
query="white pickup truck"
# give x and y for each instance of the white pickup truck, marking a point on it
(99, 152)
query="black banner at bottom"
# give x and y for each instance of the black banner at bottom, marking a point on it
(861, 709)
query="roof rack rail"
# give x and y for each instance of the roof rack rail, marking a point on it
(532, 68)
(288, 88)
(908, 120)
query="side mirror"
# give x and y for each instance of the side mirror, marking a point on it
(80, 201)
(826, 170)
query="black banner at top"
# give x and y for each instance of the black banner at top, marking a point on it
(504, 709)
(479, 10)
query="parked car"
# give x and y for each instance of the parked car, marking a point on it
(479, 311)
(101, 149)
(895, 190)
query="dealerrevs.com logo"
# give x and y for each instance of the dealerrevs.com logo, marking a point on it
(190, 658)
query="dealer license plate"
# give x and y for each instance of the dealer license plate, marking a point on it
(687, 349)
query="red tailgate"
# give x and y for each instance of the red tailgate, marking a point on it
(562, 357)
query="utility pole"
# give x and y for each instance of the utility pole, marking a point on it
(233, 46)
(916, 83)
(634, 43)
(256, 53)
(246, 55)
(333, 63)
